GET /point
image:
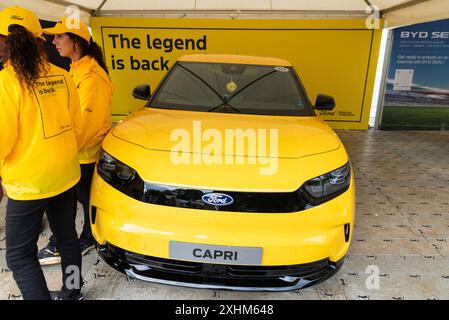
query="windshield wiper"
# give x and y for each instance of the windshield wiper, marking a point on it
(225, 103)
(226, 100)
(250, 84)
(203, 81)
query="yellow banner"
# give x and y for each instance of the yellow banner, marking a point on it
(334, 57)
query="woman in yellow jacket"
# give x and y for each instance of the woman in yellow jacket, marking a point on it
(89, 73)
(2, 52)
(39, 110)
(2, 55)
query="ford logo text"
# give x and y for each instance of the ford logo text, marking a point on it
(217, 199)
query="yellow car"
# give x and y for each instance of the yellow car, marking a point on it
(225, 179)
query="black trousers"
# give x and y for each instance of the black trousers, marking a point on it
(83, 196)
(23, 224)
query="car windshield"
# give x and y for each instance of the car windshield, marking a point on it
(232, 88)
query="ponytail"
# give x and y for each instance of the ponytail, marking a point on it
(95, 52)
(91, 49)
(26, 54)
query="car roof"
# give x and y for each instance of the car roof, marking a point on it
(233, 58)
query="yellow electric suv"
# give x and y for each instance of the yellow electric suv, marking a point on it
(225, 179)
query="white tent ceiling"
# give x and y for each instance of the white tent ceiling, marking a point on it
(396, 12)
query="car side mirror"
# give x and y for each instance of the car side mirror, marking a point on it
(324, 102)
(142, 92)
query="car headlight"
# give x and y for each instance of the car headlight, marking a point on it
(112, 170)
(327, 186)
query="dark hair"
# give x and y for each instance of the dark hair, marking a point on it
(27, 55)
(91, 49)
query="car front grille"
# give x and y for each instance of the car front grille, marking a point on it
(243, 201)
(189, 198)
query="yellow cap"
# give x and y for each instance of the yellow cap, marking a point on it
(66, 25)
(20, 16)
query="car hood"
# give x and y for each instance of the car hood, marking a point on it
(274, 136)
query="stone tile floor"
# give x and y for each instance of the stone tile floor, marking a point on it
(401, 231)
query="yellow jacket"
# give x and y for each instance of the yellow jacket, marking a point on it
(95, 92)
(38, 146)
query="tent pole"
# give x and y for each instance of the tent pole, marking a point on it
(97, 11)
(196, 12)
(383, 84)
(369, 4)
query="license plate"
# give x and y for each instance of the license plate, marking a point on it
(215, 254)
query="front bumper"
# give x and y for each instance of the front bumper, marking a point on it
(217, 276)
(299, 248)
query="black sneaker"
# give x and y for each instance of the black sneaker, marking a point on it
(49, 255)
(60, 295)
(86, 247)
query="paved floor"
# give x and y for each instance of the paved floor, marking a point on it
(401, 232)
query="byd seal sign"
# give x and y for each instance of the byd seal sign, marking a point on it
(217, 199)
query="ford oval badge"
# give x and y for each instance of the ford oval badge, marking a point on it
(217, 199)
